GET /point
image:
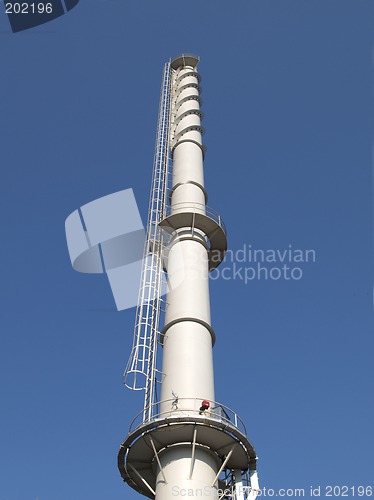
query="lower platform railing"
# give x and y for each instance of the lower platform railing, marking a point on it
(188, 407)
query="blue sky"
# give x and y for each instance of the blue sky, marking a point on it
(288, 103)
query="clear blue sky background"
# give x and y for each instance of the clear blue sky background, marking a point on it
(288, 102)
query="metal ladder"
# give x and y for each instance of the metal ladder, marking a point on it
(141, 370)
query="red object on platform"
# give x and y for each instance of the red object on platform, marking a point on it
(205, 404)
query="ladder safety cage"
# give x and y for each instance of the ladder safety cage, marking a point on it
(141, 371)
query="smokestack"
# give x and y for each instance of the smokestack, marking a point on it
(186, 443)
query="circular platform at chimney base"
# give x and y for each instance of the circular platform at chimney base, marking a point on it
(137, 460)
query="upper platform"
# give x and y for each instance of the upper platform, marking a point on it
(198, 216)
(184, 60)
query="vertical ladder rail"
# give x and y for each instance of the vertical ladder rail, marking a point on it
(141, 370)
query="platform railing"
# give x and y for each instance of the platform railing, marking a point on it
(199, 208)
(189, 407)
